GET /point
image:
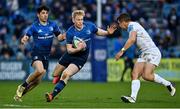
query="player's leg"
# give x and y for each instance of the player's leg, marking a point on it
(128, 64)
(33, 84)
(57, 72)
(64, 61)
(131, 64)
(39, 70)
(148, 72)
(30, 81)
(135, 83)
(149, 75)
(124, 71)
(67, 73)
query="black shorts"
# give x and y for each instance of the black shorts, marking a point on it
(42, 58)
(78, 60)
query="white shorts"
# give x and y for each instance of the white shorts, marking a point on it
(152, 56)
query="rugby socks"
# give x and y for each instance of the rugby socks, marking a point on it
(25, 84)
(135, 86)
(59, 86)
(161, 80)
(55, 79)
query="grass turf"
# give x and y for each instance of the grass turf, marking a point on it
(83, 94)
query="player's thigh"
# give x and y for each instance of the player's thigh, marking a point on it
(58, 69)
(70, 70)
(38, 65)
(137, 70)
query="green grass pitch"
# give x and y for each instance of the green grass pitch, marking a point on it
(83, 94)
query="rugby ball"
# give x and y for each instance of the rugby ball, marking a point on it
(76, 41)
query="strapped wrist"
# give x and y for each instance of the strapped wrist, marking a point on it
(123, 49)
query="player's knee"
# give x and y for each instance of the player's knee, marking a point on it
(41, 71)
(146, 76)
(134, 76)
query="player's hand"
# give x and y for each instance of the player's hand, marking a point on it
(112, 28)
(62, 37)
(24, 40)
(118, 55)
(81, 45)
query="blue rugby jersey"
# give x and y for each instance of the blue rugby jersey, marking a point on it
(86, 33)
(43, 36)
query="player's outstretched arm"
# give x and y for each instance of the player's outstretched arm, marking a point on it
(24, 39)
(61, 37)
(131, 40)
(110, 30)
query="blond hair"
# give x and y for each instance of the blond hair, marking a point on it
(78, 12)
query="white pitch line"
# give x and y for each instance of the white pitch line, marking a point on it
(14, 105)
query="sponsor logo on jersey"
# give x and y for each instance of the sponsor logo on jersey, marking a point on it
(46, 37)
(88, 32)
(51, 28)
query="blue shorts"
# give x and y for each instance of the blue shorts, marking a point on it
(42, 58)
(78, 60)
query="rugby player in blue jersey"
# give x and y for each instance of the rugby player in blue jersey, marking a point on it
(43, 32)
(75, 57)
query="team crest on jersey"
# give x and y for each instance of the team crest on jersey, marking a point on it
(88, 32)
(51, 28)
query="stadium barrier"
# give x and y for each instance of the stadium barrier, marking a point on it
(168, 69)
(13, 70)
(83, 74)
(19, 70)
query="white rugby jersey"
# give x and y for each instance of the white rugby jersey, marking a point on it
(143, 40)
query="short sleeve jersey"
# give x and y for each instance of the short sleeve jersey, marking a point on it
(143, 40)
(86, 33)
(43, 36)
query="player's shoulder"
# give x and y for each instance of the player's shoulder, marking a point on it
(134, 24)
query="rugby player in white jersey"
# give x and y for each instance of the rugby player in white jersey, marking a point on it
(148, 60)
